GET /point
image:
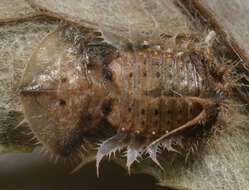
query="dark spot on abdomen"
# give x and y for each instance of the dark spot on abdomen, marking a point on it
(107, 107)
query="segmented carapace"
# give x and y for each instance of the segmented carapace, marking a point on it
(139, 98)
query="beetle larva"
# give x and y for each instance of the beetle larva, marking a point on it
(140, 99)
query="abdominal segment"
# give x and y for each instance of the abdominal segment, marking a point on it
(152, 118)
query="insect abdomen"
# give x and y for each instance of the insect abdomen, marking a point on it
(155, 87)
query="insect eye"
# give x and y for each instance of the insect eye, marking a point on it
(108, 75)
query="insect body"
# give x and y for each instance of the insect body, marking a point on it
(128, 98)
(154, 90)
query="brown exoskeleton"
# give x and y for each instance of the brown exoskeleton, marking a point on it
(142, 97)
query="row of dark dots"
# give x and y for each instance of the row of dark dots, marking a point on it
(156, 113)
(156, 121)
(143, 111)
(145, 74)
